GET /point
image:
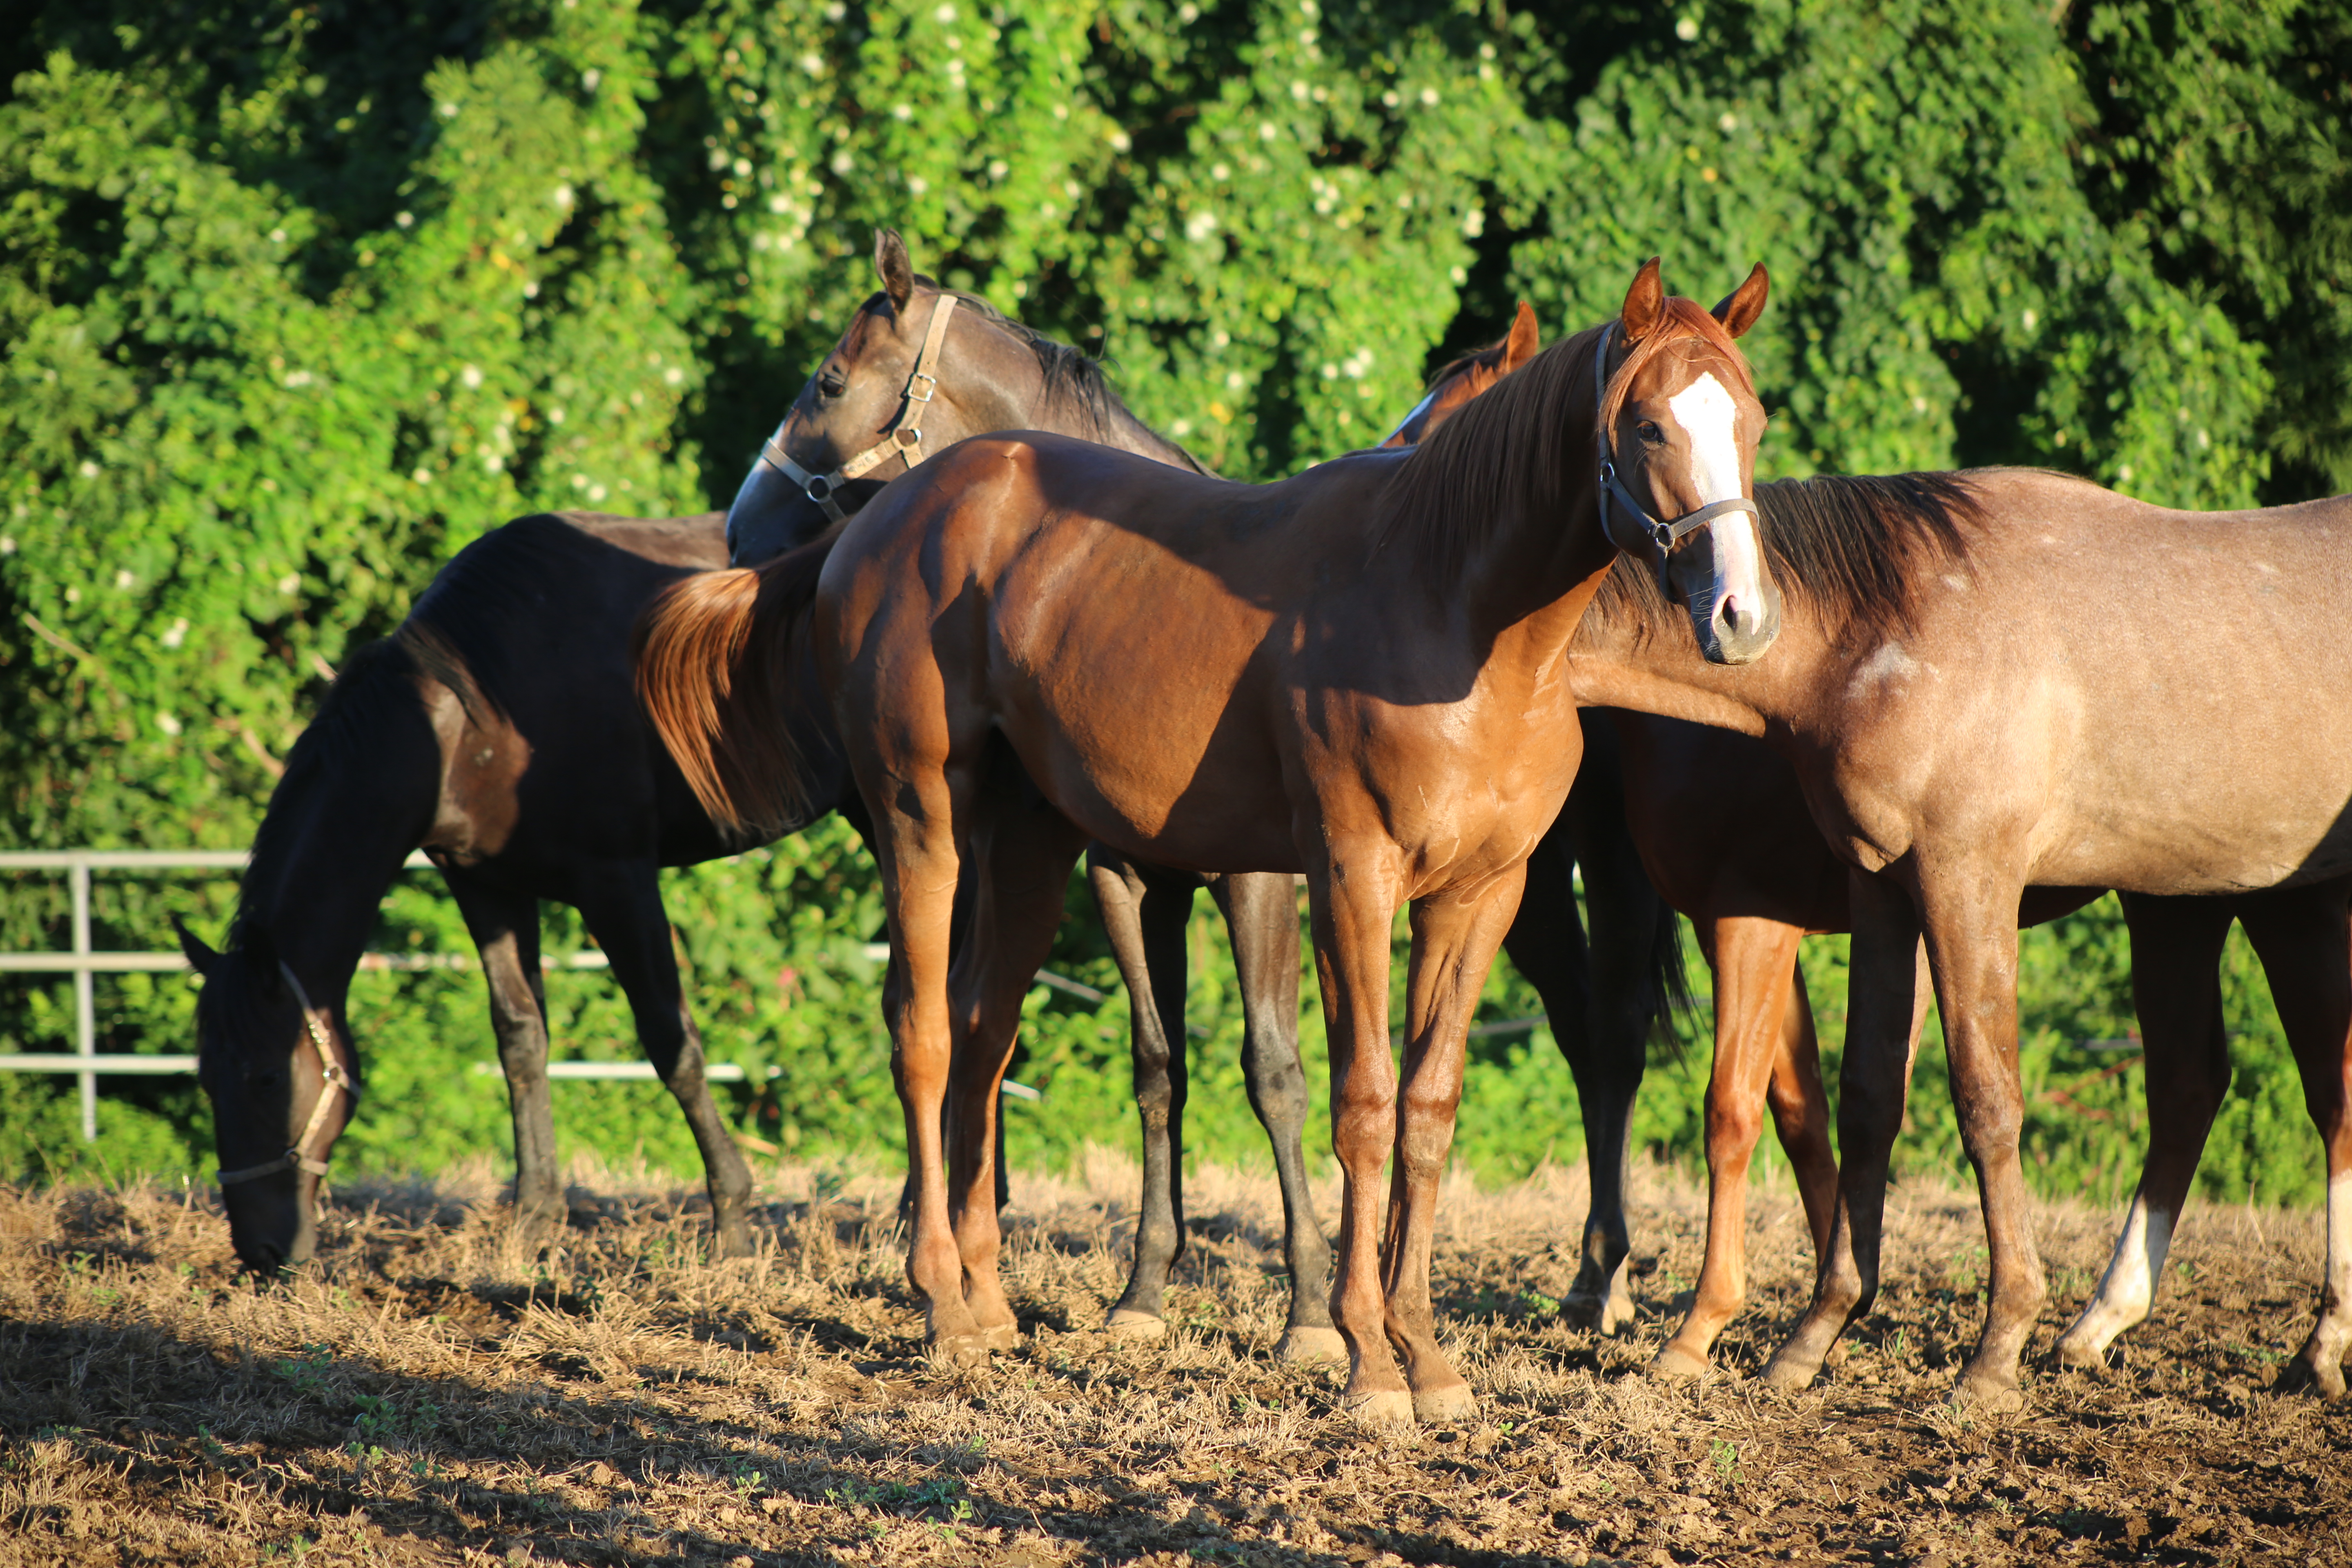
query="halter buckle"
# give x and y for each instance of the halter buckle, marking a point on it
(914, 396)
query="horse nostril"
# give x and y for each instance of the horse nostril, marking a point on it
(1735, 618)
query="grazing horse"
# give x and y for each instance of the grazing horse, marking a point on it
(498, 729)
(1967, 718)
(919, 368)
(1386, 710)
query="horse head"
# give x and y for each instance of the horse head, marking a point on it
(282, 1086)
(911, 376)
(1679, 421)
(1467, 377)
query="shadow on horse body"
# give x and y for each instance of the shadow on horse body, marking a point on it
(1722, 827)
(1386, 712)
(498, 730)
(917, 369)
(1968, 718)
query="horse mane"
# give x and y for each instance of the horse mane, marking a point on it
(1506, 453)
(377, 682)
(1856, 547)
(1074, 380)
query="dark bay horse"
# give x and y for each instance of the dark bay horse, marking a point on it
(1967, 716)
(1386, 712)
(498, 730)
(899, 385)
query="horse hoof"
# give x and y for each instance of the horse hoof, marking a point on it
(1001, 1336)
(1310, 1345)
(958, 1350)
(2300, 1376)
(1388, 1410)
(1674, 1364)
(1127, 1323)
(1452, 1405)
(1988, 1396)
(2081, 1353)
(1787, 1375)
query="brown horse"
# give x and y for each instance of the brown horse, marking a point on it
(1968, 719)
(1387, 713)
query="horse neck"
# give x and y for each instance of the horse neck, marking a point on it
(1026, 402)
(1651, 664)
(335, 837)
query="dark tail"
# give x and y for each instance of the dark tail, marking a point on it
(711, 655)
(1673, 1010)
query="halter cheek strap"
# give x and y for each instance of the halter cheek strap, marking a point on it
(331, 1067)
(899, 439)
(1647, 533)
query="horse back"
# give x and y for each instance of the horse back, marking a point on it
(522, 649)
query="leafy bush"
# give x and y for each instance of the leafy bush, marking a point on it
(299, 299)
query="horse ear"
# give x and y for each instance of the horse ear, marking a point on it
(1645, 302)
(200, 959)
(1525, 339)
(1739, 309)
(897, 272)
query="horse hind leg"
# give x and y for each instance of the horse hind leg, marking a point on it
(1022, 851)
(1144, 915)
(2304, 939)
(2175, 947)
(623, 908)
(505, 927)
(1755, 962)
(1546, 945)
(1261, 909)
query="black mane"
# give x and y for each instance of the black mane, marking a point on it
(1072, 378)
(1855, 547)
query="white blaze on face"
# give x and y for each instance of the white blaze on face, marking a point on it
(2128, 1291)
(1707, 415)
(1417, 410)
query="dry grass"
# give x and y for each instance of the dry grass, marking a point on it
(423, 1392)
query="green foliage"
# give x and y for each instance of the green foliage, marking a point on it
(297, 299)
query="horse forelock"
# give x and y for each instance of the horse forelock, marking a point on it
(1858, 549)
(1680, 321)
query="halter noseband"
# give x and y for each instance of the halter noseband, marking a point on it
(1652, 534)
(331, 1068)
(897, 442)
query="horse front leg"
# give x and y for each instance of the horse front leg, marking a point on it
(1144, 916)
(1020, 854)
(1886, 1005)
(504, 929)
(1755, 961)
(1261, 910)
(2304, 939)
(2176, 952)
(1353, 899)
(1454, 937)
(623, 908)
(1968, 913)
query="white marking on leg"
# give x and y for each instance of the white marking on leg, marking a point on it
(2128, 1291)
(1707, 415)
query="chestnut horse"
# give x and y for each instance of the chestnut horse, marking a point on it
(1387, 713)
(917, 369)
(1965, 720)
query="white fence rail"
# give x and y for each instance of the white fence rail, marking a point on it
(80, 961)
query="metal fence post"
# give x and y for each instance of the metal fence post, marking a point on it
(85, 1000)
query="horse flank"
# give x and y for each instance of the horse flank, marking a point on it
(1856, 548)
(710, 656)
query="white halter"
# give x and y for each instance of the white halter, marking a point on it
(900, 439)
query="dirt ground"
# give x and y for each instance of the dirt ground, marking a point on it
(421, 1393)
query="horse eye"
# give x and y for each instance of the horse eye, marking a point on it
(1650, 433)
(832, 385)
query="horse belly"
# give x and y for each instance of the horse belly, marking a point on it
(1137, 716)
